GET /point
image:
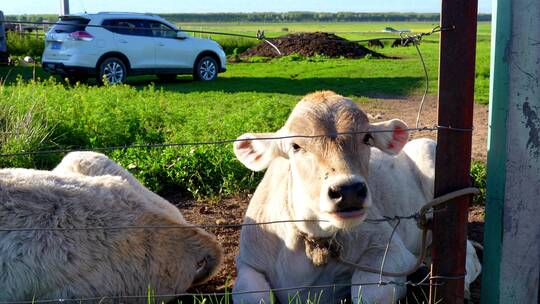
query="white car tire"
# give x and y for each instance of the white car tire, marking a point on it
(205, 69)
(112, 71)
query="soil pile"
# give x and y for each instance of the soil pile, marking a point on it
(310, 44)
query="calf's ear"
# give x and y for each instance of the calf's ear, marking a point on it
(256, 152)
(392, 141)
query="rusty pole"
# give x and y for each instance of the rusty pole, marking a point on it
(452, 166)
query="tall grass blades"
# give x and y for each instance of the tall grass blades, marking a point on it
(20, 131)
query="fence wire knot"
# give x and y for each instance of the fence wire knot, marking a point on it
(260, 35)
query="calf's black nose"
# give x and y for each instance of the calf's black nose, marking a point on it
(348, 197)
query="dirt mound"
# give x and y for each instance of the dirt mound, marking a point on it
(309, 44)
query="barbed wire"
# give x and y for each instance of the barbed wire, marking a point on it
(226, 293)
(405, 39)
(223, 141)
(203, 226)
(418, 216)
(260, 34)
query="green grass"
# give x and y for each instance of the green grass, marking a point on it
(407, 68)
(479, 177)
(83, 116)
(248, 97)
(21, 131)
(274, 29)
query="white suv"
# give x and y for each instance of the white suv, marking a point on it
(111, 46)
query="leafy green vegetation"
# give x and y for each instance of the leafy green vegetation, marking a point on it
(21, 131)
(93, 117)
(25, 45)
(479, 177)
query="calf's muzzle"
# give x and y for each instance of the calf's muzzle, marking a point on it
(348, 197)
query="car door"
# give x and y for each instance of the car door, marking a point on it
(170, 51)
(133, 38)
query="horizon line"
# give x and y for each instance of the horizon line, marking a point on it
(258, 12)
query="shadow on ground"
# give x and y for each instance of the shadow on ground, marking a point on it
(356, 86)
(294, 85)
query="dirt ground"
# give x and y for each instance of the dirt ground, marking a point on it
(231, 210)
(310, 44)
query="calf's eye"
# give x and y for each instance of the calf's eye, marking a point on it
(368, 139)
(296, 147)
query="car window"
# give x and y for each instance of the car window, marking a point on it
(161, 30)
(70, 25)
(133, 27)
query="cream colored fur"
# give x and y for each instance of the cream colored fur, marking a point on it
(411, 175)
(89, 190)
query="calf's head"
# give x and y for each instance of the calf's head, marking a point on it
(327, 175)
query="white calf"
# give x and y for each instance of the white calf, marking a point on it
(89, 190)
(326, 179)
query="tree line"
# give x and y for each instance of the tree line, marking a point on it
(279, 17)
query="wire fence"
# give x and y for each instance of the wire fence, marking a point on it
(216, 142)
(260, 34)
(222, 141)
(420, 216)
(227, 293)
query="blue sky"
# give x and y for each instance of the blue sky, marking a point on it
(204, 6)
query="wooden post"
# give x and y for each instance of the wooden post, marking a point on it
(512, 232)
(453, 161)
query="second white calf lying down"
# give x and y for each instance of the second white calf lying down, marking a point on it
(341, 180)
(89, 190)
(411, 176)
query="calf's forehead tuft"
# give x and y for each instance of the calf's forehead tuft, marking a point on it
(326, 112)
(321, 96)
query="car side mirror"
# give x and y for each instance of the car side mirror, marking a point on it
(181, 35)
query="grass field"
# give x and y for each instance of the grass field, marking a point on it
(382, 77)
(408, 66)
(248, 97)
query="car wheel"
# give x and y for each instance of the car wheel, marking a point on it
(112, 71)
(206, 69)
(167, 77)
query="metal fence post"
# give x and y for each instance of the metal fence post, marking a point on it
(452, 168)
